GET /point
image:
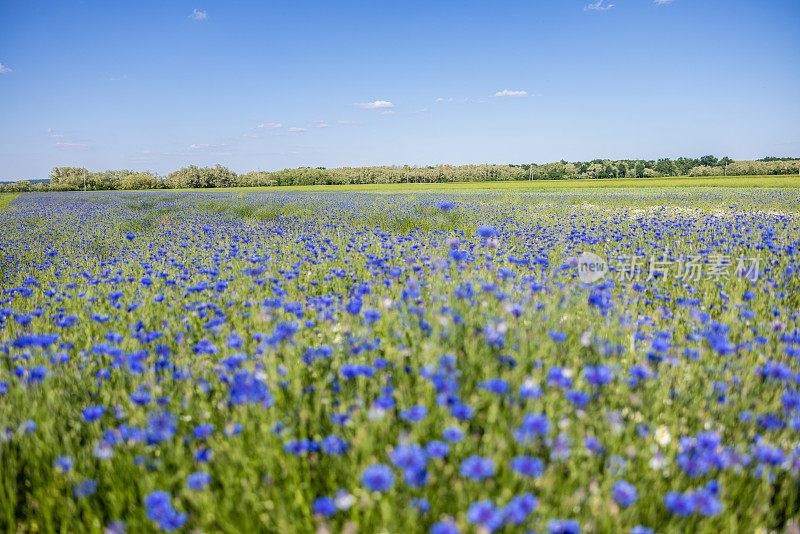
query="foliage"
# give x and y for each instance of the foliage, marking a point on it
(192, 177)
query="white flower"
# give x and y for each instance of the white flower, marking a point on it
(658, 462)
(662, 436)
(344, 500)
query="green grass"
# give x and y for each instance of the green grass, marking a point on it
(771, 181)
(6, 199)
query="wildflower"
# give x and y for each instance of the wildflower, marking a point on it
(453, 434)
(84, 488)
(563, 526)
(334, 445)
(409, 457)
(486, 232)
(624, 493)
(324, 506)
(477, 468)
(198, 480)
(378, 477)
(64, 463)
(444, 527)
(159, 509)
(437, 449)
(160, 427)
(680, 504)
(414, 414)
(528, 466)
(93, 413)
(662, 436)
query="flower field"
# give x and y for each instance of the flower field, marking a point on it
(422, 362)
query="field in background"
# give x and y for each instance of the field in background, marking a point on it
(554, 185)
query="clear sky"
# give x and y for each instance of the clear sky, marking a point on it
(156, 85)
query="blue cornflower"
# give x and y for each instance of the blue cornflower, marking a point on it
(63, 463)
(557, 335)
(480, 512)
(707, 503)
(84, 488)
(409, 457)
(333, 444)
(299, 447)
(414, 414)
(159, 509)
(533, 425)
(477, 468)
(444, 527)
(624, 493)
(198, 480)
(161, 426)
(378, 477)
(680, 504)
(437, 449)
(598, 375)
(528, 466)
(519, 508)
(486, 231)
(498, 386)
(453, 434)
(530, 390)
(416, 478)
(462, 411)
(445, 205)
(579, 398)
(563, 526)
(202, 431)
(324, 506)
(421, 504)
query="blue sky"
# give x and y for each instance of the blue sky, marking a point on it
(156, 85)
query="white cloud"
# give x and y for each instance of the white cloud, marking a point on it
(198, 14)
(662, 2)
(439, 100)
(348, 122)
(72, 146)
(387, 112)
(53, 135)
(508, 92)
(206, 146)
(268, 126)
(377, 104)
(4, 69)
(318, 124)
(598, 6)
(296, 129)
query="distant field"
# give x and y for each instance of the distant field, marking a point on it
(6, 199)
(545, 185)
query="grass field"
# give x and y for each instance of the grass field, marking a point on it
(6, 199)
(787, 181)
(335, 360)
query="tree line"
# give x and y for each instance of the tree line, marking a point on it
(78, 178)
